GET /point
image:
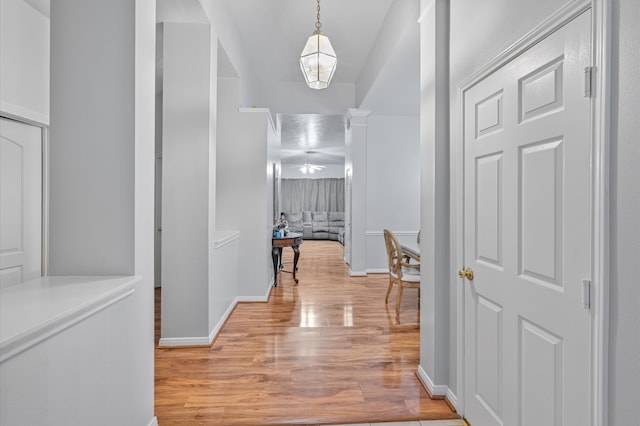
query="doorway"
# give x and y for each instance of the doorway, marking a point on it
(527, 236)
(20, 202)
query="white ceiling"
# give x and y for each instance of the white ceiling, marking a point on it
(316, 138)
(273, 32)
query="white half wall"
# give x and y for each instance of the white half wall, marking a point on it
(70, 350)
(247, 146)
(225, 278)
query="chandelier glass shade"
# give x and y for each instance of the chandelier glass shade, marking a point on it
(318, 59)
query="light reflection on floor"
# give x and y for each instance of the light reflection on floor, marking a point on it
(308, 317)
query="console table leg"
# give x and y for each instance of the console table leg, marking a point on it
(296, 255)
(275, 256)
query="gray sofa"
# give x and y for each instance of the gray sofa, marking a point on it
(317, 225)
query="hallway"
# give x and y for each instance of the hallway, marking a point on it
(327, 351)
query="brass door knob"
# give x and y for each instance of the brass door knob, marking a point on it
(466, 273)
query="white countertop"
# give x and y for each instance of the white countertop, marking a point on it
(37, 309)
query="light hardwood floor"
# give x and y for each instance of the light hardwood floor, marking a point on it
(328, 351)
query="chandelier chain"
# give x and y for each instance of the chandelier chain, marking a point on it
(318, 24)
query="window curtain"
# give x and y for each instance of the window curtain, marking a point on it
(316, 195)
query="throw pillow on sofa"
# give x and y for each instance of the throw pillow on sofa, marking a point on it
(320, 221)
(295, 221)
(336, 221)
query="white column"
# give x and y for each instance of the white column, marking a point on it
(356, 164)
(436, 271)
(185, 184)
(101, 203)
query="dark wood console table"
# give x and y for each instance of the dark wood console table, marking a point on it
(293, 240)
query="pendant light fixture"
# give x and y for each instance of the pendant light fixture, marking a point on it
(318, 59)
(308, 167)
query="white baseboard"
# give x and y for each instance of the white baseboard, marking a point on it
(453, 398)
(223, 319)
(251, 299)
(153, 422)
(205, 341)
(264, 298)
(378, 271)
(357, 273)
(436, 390)
(183, 341)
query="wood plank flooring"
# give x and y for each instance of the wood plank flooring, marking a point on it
(327, 351)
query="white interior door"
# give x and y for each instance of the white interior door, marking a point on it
(527, 237)
(20, 202)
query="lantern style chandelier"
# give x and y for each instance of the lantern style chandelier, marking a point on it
(318, 59)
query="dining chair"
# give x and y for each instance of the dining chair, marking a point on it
(401, 272)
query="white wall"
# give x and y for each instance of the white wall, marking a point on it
(297, 98)
(185, 182)
(495, 25)
(389, 80)
(224, 28)
(624, 353)
(24, 62)
(393, 184)
(246, 149)
(92, 139)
